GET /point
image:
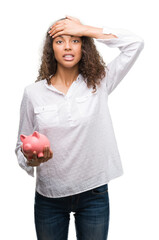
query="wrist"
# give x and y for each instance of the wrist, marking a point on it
(33, 163)
(93, 32)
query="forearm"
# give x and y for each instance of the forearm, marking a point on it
(96, 32)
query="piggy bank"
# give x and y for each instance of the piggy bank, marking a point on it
(34, 142)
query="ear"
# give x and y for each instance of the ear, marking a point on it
(36, 134)
(22, 137)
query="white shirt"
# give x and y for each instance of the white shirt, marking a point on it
(78, 125)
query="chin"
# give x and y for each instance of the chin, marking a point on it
(69, 64)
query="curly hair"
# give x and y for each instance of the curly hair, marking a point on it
(91, 65)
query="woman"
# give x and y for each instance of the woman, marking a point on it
(68, 103)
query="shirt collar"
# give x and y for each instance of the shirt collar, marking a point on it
(51, 87)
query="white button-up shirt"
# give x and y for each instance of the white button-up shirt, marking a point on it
(78, 125)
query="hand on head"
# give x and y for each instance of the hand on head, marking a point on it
(69, 26)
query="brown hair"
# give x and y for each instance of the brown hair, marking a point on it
(91, 65)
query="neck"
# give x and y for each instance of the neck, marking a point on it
(65, 76)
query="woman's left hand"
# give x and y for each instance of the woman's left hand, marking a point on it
(69, 26)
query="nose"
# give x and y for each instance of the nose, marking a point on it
(67, 45)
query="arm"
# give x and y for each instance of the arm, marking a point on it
(25, 127)
(72, 26)
(130, 46)
(128, 43)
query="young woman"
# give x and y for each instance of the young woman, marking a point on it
(68, 103)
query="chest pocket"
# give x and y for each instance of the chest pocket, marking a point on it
(46, 116)
(88, 104)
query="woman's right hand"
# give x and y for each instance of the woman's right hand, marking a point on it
(68, 26)
(48, 154)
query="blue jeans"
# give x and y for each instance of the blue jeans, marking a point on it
(91, 212)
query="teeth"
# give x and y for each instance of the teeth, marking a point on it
(68, 55)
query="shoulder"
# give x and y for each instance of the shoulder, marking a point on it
(34, 88)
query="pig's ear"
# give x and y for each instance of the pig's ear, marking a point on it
(22, 137)
(36, 134)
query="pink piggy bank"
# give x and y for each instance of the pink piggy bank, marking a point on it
(34, 142)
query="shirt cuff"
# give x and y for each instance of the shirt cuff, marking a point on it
(23, 163)
(118, 31)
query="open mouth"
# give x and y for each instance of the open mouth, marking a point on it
(68, 57)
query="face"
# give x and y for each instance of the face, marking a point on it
(67, 50)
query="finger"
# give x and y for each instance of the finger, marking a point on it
(53, 25)
(45, 152)
(57, 24)
(51, 154)
(56, 30)
(48, 154)
(72, 18)
(59, 34)
(41, 160)
(28, 163)
(52, 28)
(34, 155)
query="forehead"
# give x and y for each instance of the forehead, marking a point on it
(67, 36)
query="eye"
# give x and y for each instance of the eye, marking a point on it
(75, 40)
(59, 41)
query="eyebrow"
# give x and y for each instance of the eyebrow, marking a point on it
(69, 35)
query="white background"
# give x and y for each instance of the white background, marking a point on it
(134, 197)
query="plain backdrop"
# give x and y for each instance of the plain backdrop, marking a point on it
(134, 197)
